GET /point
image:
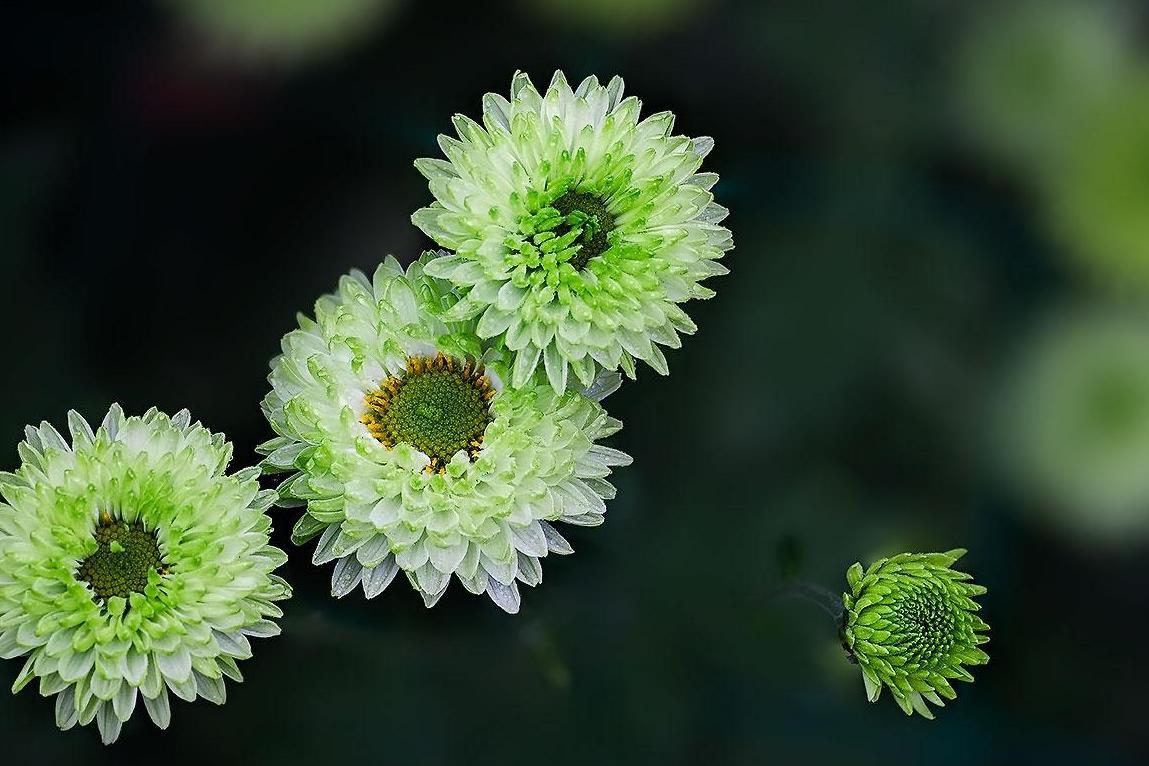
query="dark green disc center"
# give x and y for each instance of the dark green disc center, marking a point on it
(126, 554)
(927, 623)
(439, 412)
(595, 221)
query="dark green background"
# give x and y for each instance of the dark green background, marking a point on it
(161, 222)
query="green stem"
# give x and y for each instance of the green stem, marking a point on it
(826, 600)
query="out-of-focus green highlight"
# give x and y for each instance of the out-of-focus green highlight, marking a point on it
(267, 31)
(1057, 90)
(1075, 424)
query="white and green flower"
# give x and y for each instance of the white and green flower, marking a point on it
(577, 228)
(410, 454)
(132, 565)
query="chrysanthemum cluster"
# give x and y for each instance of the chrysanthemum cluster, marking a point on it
(911, 625)
(133, 566)
(411, 454)
(440, 421)
(578, 228)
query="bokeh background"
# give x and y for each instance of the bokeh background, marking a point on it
(933, 336)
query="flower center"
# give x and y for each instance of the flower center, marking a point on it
(126, 554)
(927, 623)
(587, 212)
(438, 405)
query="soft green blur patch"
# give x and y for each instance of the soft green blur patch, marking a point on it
(284, 28)
(1031, 71)
(1075, 424)
(1099, 193)
(609, 17)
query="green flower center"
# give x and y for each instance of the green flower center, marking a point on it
(126, 554)
(927, 624)
(571, 230)
(587, 212)
(438, 405)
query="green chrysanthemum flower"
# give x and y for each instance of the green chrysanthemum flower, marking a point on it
(131, 565)
(411, 455)
(911, 624)
(577, 228)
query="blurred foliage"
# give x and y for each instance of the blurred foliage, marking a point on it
(276, 31)
(1056, 89)
(1033, 70)
(610, 18)
(1098, 193)
(1076, 424)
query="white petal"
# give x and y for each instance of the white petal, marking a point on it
(66, 714)
(175, 666)
(347, 575)
(108, 724)
(506, 596)
(376, 580)
(530, 539)
(556, 543)
(124, 702)
(159, 709)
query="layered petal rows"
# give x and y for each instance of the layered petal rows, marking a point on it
(911, 625)
(483, 514)
(132, 566)
(578, 228)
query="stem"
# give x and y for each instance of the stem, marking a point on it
(826, 600)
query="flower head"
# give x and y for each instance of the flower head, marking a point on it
(911, 624)
(410, 454)
(132, 565)
(578, 228)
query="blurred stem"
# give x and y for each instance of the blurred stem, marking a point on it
(826, 600)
